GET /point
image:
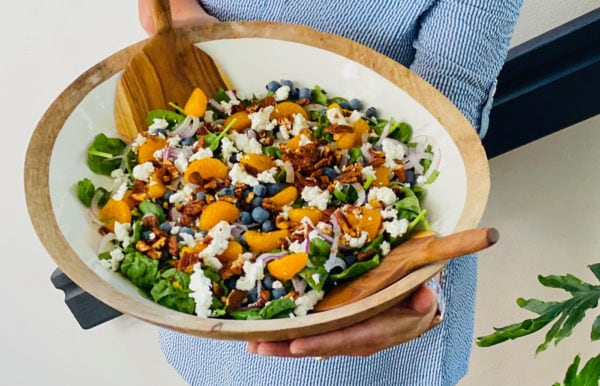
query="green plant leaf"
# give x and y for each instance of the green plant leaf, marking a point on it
(595, 334)
(567, 282)
(595, 268)
(588, 376)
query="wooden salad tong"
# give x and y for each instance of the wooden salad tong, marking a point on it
(417, 252)
(167, 69)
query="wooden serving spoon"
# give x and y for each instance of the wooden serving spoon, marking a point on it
(167, 69)
(408, 256)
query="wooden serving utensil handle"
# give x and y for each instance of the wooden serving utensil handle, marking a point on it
(161, 13)
(405, 258)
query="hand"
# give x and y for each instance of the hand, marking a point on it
(185, 13)
(401, 323)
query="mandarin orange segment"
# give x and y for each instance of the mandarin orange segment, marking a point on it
(260, 242)
(233, 252)
(147, 149)
(288, 110)
(361, 127)
(216, 212)
(196, 104)
(312, 213)
(256, 162)
(113, 211)
(284, 197)
(382, 176)
(156, 188)
(242, 121)
(206, 168)
(288, 266)
(345, 140)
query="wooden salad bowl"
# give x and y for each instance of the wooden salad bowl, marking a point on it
(48, 212)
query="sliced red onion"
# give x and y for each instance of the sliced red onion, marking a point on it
(289, 172)
(231, 94)
(362, 195)
(104, 242)
(174, 214)
(384, 133)
(315, 107)
(337, 232)
(267, 257)
(216, 105)
(365, 152)
(166, 153)
(299, 285)
(187, 128)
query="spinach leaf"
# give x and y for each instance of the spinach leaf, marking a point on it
(103, 154)
(277, 308)
(86, 191)
(170, 116)
(401, 131)
(141, 270)
(318, 95)
(172, 291)
(310, 273)
(357, 269)
(318, 251)
(354, 154)
(149, 207)
(249, 314)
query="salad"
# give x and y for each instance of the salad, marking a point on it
(253, 207)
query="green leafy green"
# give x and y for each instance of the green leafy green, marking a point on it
(140, 269)
(171, 291)
(86, 191)
(149, 207)
(277, 308)
(318, 251)
(357, 269)
(401, 131)
(104, 155)
(318, 95)
(310, 273)
(168, 115)
(346, 193)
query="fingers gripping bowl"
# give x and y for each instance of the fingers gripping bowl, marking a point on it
(250, 54)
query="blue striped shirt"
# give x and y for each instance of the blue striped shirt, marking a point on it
(458, 46)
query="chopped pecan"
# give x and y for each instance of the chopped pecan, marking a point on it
(139, 190)
(350, 174)
(172, 245)
(377, 157)
(269, 100)
(339, 129)
(234, 299)
(186, 261)
(193, 208)
(400, 172)
(344, 224)
(166, 172)
(149, 221)
(233, 268)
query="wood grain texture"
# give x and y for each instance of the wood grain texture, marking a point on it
(43, 218)
(407, 257)
(166, 69)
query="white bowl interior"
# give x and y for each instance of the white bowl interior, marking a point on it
(249, 63)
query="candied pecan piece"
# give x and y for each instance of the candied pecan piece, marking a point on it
(149, 221)
(350, 174)
(193, 208)
(377, 157)
(186, 261)
(339, 129)
(172, 245)
(400, 172)
(234, 299)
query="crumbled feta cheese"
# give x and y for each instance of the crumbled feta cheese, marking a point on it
(237, 174)
(118, 177)
(260, 119)
(304, 140)
(143, 171)
(158, 154)
(385, 247)
(138, 141)
(209, 116)
(158, 124)
(282, 93)
(181, 162)
(389, 213)
(307, 302)
(393, 150)
(122, 231)
(367, 172)
(356, 242)
(421, 180)
(336, 116)
(227, 148)
(116, 257)
(252, 273)
(182, 196)
(173, 141)
(187, 239)
(354, 117)
(203, 152)
(219, 235)
(200, 285)
(268, 176)
(277, 284)
(396, 228)
(383, 194)
(227, 106)
(120, 192)
(314, 196)
(298, 246)
(299, 124)
(246, 144)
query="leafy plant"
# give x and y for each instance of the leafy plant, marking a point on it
(565, 315)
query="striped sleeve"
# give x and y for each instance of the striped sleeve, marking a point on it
(461, 47)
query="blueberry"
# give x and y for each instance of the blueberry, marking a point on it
(252, 295)
(267, 281)
(371, 112)
(201, 196)
(187, 230)
(278, 292)
(349, 259)
(294, 93)
(260, 214)
(273, 85)
(259, 190)
(246, 218)
(188, 141)
(273, 188)
(168, 194)
(231, 282)
(165, 227)
(226, 192)
(330, 172)
(345, 105)
(256, 202)
(356, 104)
(304, 93)
(268, 226)
(148, 235)
(410, 176)
(288, 83)
(161, 132)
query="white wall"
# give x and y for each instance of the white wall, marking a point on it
(539, 16)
